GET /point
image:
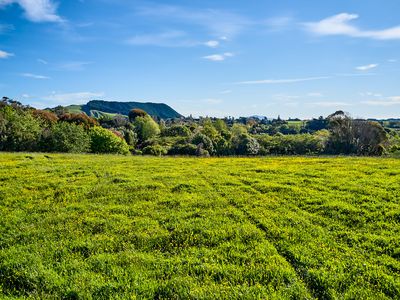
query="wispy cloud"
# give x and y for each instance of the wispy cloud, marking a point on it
(42, 61)
(392, 60)
(37, 10)
(225, 92)
(341, 25)
(4, 54)
(74, 65)
(170, 38)
(71, 98)
(370, 94)
(282, 81)
(389, 101)
(363, 74)
(278, 23)
(219, 57)
(212, 44)
(4, 28)
(216, 22)
(315, 94)
(34, 76)
(331, 104)
(367, 67)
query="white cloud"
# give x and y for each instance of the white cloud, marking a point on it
(217, 22)
(331, 104)
(171, 38)
(4, 54)
(341, 25)
(225, 92)
(355, 74)
(212, 44)
(278, 23)
(34, 76)
(389, 101)
(367, 67)
(392, 60)
(215, 57)
(37, 10)
(42, 61)
(70, 98)
(315, 94)
(74, 65)
(219, 57)
(280, 81)
(370, 94)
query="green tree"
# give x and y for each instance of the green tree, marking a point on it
(68, 137)
(136, 112)
(204, 141)
(146, 128)
(19, 129)
(176, 130)
(247, 145)
(104, 141)
(360, 137)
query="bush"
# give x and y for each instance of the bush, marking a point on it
(177, 130)
(66, 137)
(205, 141)
(247, 146)
(19, 130)
(156, 150)
(146, 128)
(136, 112)
(183, 149)
(47, 117)
(294, 144)
(104, 141)
(79, 119)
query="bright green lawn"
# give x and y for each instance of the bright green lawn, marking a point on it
(113, 227)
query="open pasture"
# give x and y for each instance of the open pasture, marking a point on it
(115, 227)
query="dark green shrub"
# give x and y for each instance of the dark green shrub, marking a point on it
(247, 146)
(156, 150)
(183, 149)
(67, 137)
(205, 141)
(19, 129)
(176, 130)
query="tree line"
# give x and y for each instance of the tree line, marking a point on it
(23, 128)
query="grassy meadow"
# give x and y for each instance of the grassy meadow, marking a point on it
(116, 227)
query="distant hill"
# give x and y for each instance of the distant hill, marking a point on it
(97, 108)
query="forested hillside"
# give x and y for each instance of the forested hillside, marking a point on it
(98, 108)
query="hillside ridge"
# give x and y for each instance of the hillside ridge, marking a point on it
(97, 108)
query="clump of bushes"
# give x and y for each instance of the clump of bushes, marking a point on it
(155, 150)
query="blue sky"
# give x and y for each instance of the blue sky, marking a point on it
(216, 58)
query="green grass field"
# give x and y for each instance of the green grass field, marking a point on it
(114, 227)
